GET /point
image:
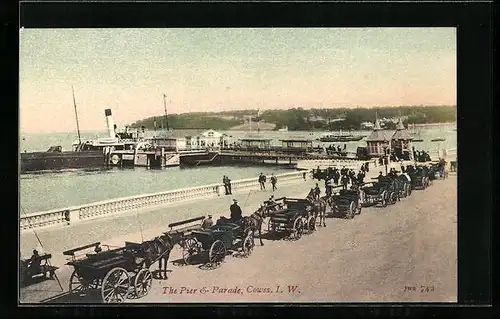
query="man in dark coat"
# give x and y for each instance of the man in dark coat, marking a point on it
(262, 181)
(235, 211)
(228, 183)
(224, 181)
(360, 177)
(273, 181)
(380, 176)
(345, 181)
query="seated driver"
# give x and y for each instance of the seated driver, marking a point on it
(34, 263)
(236, 213)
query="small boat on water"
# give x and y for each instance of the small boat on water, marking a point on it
(340, 138)
(440, 139)
(417, 140)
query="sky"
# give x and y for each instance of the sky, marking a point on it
(129, 70)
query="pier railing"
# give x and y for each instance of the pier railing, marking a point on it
(74, 214)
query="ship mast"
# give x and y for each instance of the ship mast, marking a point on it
(165, 105)
(76, 114)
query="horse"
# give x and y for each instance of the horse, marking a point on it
(254, 221)
(319, 207)
(159, 249)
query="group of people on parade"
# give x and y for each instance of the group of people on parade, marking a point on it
(262, 182)
(421, 156)
(344, 176)
(263, 179)
(332, 149)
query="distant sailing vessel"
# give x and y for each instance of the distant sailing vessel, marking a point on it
(283, 129)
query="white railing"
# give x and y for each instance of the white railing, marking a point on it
(74, 214)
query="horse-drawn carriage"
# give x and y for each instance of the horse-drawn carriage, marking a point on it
(119, 273)
(438, 170)
(420, 178)
(347, 202)
(217, 240)
(296, 217)
(382, 192)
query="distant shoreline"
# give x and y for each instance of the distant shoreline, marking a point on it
(432, 124)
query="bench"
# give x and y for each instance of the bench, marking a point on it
(71, 252)
(33, 268)
(187, 221)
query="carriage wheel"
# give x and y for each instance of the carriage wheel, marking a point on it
(142, 283)
(311, 224)
(248, 245)
(384, 200)
(115, 286)
(359, 208)
(393, 198)
(409, 189)
(78, 285)
(191, 248)
(217, 253)
(298, 229)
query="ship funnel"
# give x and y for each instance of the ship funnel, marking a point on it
(110, 123)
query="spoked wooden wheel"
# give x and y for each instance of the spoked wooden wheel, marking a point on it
(393, 198)
(248, 245)
(409, 189)
(142, 283)
(298, 229)
(384, 200)
(311, 224)
(191, 249)
(115, 286)
(79, 285)
(217, 253)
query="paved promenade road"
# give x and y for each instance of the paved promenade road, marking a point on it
(404, 252)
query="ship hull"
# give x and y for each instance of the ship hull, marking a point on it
(42, 161)
(341, 139)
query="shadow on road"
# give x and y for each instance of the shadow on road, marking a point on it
(66, 297)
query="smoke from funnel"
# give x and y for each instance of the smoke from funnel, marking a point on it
(110, 123)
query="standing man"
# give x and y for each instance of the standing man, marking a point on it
(228, 183)
(262, 181)
(273, 181)
(345, 181)
(328, 186)
(361, 177)
(235, 211)
(224, 181)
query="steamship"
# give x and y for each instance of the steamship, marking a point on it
(84, 154)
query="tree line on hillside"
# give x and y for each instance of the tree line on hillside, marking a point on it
(304, 119)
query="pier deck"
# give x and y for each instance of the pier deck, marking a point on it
(370, 258)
